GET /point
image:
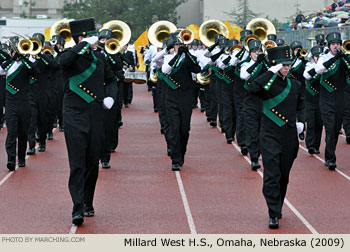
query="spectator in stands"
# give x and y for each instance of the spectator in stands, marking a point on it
(319, 21)
(300, 18)
(337, 4)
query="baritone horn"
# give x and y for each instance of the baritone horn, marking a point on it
(160, 31)
(120, 31)
(187, 36)
(209, 29)
(61, 27)
(112, 46)
(304, 52)
(47, 49)
(261, 27)
(25, 46)
(37, 46)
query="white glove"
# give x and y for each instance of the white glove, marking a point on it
(91, 40)
(108, 102)
(300, 127)
(276, 68)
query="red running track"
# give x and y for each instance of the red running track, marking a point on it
(140, 193)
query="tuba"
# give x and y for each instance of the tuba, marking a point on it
(61, 27)
(160, 31)
(209, 29)
(261, 27)
(120, 31)
(203, 78)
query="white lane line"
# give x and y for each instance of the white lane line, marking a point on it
(185, 203)
(27, 156)
(292, 208)
(322, 160)
(73, 229)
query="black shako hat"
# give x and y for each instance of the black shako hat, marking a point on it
(279, 55)
(272, 37)
(105, 33)
(280, 42)
(59, 39)
(195, 42)
(13, 41)
(82, 27)
(334, 37)
(223, 41)
(232, 42)
(245, 33)
(217, 37)
(296, 44)
(254, 44)
(320, 38)
(316, 50)
(39, 36)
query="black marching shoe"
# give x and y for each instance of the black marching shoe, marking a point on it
(273, 223)
(229, 140)
(175, 167)
(302, 136)
(332, 166)
(255, 165)
(120, 123)
(155, 110)
(213, 123)
(21, 163)
(311, 150)
(78, 219)
(202, 110)
(326, 163)
(106, 165)
(347, 139)
(168, 152)
(60, 129)
(244, 150)
(49, 136)
(126, 105)
(162, 131)
(11, 166)
(89, 211)
(41, 148)
(317, 151)
(208, 119)
(31, 151)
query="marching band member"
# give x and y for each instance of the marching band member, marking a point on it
(312, 95)
(178, 103)
(18, 71)
(3, 57)
(281, 99)
(333, 68)
(90, 87)
(249, 72)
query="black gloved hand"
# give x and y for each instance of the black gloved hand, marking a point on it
(260, 58)
(142, 50)
(339, 54)
(211, 48)
(182, 49)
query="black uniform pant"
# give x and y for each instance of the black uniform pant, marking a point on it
(332, 117)
(252, 120)
(118, 115)
(314, 125)
(279, 149)
(346, 122)
(51, 110)
(162, 112)
(111, 132)
(218, 92)
(238, 96)
(229, 111)
(128, 92)
(38, 121)
(60, 104)
(155, 96)
(84, 134)
(213, 110)
(17, 121)
(178, 112)
(195, 93)
(2, 98)
(202, 97)
(207, 103)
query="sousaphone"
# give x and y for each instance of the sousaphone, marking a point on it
(120, 31)
(261, 27)
(160, 31)
(209, 29)
(61, 27)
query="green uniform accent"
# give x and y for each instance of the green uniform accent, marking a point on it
(331, 71)
(76, 80)
(309, 84)
(238, 67)
(10, 78)
(9, 66)
(178, 67)
(253, 76)
(269, 83)
(268, 105)
(82, 51)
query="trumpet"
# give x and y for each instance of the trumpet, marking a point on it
(187, 36)
(304, 53)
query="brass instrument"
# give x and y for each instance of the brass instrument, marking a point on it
(209, 29)
(61, 27)
(25, 46)
(269, 44)
(204, 78)
(236, 47)
(120, 31)
(247, 39)
(304, 52)
(160, 31)
(261, 27)
(153, 77)
(37, 46)
(187, 36)
(48, 49)
(346, 46)
(112, 46)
